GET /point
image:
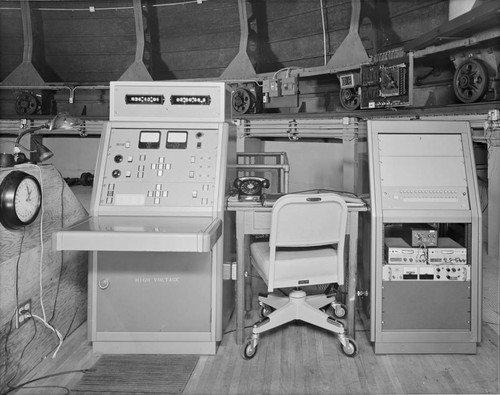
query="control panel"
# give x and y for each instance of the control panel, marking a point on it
(446, 198)
(160, 167)
(397, 251)
(447, 251)
(426, 272)
(423, 171)
(156, 224)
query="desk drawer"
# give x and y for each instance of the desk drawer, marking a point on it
(257, 222)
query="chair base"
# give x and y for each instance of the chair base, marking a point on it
(298, 306)
(320, 301)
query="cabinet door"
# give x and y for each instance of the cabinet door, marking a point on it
(153, 292)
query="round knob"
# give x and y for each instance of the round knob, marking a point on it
(104, 283)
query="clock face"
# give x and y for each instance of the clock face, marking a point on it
(20, 200)
(27, 200)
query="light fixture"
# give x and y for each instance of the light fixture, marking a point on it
(62, 121)
(42, 151)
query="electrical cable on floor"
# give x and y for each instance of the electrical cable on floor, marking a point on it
(66, 389)
(46, 377)
(234, 330)
(14, 316)
(24, 348)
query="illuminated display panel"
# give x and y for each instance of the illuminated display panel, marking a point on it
(144, 99)
(203, 100)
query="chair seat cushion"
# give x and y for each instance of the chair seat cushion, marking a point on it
(297, 266)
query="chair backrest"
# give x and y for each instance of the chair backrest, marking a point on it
(308, 220)
(305, 220)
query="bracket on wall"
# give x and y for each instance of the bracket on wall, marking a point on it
(25, 73)
(351, 52)
(137, 71)
(241, 67)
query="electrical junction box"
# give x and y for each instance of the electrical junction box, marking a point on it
(289, 86)
(271, 87)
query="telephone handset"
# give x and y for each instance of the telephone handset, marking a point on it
(250, 188)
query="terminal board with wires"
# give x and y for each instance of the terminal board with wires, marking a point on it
(386, 83)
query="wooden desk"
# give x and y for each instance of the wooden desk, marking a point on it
(254, 219)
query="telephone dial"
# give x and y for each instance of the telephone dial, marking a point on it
(250, 188)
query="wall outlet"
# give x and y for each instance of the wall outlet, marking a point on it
(23, 313)
(226, 271)
(229, 271)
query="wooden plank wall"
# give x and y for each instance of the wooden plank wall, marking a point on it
(63, 280)
(199, 40)
(196, 41)
(11, 38)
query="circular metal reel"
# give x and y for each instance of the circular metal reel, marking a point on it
(470, 81)
(349, 99)
(242, 101)
(26, 104)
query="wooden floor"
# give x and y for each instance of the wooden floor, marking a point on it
(299, 359)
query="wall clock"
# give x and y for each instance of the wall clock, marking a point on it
(20, 200)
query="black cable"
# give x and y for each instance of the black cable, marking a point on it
(234, 330)
(6, 349)
(71, 324)
(7, 352)
(58, 287)
(17, 266)
(24, 349)
(66, 389)
(46, 377)
(34, 323)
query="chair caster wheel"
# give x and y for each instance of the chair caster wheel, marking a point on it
(351, 349)
(248, 351)
(265, 310)
(339, 311)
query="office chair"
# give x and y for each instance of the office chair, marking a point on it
(306, 247)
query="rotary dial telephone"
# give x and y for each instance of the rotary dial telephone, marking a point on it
(250, 188)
